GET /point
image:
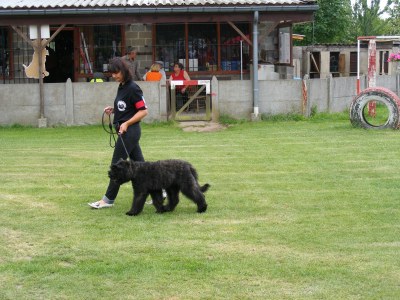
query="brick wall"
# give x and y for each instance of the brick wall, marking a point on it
(139, 36)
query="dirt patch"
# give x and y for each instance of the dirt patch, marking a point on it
(201, 126)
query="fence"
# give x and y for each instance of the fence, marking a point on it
(82, 103)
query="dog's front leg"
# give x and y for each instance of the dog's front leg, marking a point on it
(139, 199)
(158, 201)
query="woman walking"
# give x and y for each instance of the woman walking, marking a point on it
(129, 109)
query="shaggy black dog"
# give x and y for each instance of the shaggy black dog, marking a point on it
(151, 177)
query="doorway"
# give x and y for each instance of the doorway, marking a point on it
(60, 61)
(195, 104)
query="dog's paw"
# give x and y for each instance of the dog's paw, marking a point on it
(161, 210)
(201, 209)
(167, 208)
(131, 213)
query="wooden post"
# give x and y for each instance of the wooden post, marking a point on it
(39, 51)
(372, 75)
(173, 102)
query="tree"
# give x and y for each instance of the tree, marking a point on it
(367, 20)
(331, 23)
(394, 18)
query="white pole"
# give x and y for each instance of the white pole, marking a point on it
(358, 67)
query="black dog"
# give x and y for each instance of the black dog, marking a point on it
(151, 177)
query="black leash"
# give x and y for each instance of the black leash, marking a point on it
(123, 144)
(110, 130)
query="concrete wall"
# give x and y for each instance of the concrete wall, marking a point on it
(77, 103)
(82, 103)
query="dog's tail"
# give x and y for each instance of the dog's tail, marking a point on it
(204, 188)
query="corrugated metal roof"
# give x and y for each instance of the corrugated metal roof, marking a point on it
(32, 4)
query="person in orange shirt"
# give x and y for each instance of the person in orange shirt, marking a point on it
(154, 73)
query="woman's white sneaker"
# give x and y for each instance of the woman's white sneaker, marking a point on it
(100, 204)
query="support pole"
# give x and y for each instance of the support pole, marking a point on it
(358, 89)
(39, 51)
(42, 122)
(254, 115)
(372, 74)
(241, 60)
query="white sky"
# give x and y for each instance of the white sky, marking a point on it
(383, 2)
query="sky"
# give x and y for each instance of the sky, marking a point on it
(383, 2)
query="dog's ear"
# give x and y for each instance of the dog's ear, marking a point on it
(120, 161)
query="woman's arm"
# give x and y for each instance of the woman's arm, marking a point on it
(136, 118)
(186, 76)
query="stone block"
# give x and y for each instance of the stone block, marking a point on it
(42, 122)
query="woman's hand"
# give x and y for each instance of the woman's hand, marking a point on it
(108, 110)
(136, 118)
(123, 128)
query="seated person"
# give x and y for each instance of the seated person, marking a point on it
(154, 73)
(97, 77)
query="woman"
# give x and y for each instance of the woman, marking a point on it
(129, 109)
(153, 74)
(180, 90)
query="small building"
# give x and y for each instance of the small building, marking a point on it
(340, 60)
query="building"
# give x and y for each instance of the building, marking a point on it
(210, 37)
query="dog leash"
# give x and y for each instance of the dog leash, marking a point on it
(123, 144)
(112, 134)
(109, 130)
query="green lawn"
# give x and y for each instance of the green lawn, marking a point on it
(296, 210)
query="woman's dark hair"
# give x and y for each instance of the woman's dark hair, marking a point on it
(117, 64)
(180, 65)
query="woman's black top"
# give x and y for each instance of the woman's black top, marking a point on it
(128, 102)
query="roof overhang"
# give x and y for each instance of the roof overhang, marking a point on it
(129, 15)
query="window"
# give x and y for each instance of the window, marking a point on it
(334, 62)
(383, 62)
(315, 63)
(99, 44)
(230, 48)
(353, 63)
(4, 52)
(201, 46)
(170, 44)
(14, 53)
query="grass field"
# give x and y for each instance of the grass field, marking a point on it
(297, 210)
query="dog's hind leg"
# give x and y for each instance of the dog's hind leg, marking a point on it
(173, 198)
(157, 198)
(193, 192)
(139, 199)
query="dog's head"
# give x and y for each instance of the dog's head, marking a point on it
(121, 171)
